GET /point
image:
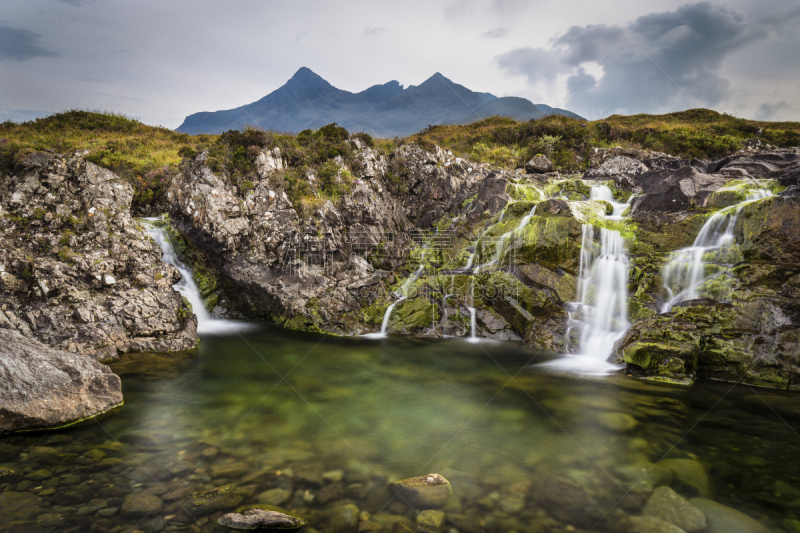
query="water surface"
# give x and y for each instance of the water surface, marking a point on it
(330, 420)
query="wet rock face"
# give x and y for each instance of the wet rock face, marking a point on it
(45, 388)
(77, 271)
(671, 191)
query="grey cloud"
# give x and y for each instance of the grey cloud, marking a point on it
(373, 31)
(300, 35)
(20, 44)
(771, 111)
(75, 3)
(658, 62)
(496, 33)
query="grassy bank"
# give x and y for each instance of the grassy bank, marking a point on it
(149, 156)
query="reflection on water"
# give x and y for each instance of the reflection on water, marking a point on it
(310, 426)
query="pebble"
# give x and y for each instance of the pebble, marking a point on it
(723, 519)
(430, 521)
(423, 492)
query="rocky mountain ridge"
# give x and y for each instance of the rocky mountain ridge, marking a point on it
(307, 101)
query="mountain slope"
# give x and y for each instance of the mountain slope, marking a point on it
(308, 101)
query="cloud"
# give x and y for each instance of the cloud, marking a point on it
(660, 61)
(75, 3)
(19, 44)
(496, 33)
(371, 31)
(771, 111)
(302, 34)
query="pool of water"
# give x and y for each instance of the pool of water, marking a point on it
(313, 424)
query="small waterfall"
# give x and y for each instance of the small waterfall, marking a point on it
(602, 291)
(403, 295)
(501, 245)
(688, 268)
(187, 287)
(601, 312)
(603, 192)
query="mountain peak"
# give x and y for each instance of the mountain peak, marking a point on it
(305, 74)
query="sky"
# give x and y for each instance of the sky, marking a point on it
(160, 61)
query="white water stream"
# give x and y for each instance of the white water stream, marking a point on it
(187, 287)
(601, 313)
(688, 268)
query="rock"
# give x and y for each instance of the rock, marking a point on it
(342, 519)
(647, 524)
(667, 505)
(274, 496)
(260, 519)
(217, 499)
(670, 191)
(621, 169)
(138, 505)
(19, 506)
(620, 422)
(567, 502)
(430, 521)
(77, 272)
(47, 388)
(722, 519)
(691, 473)
(540, 164)
(423, 492)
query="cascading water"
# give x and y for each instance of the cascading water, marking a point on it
(187, 287)
(402, 295)
(688, 268)
(603, 192)
(601, 313)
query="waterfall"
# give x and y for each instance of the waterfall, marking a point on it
(187, 287)
(602, 291)
(500, 245)
(602, 192)
(403, 295)
(687, 268)
(601, 312)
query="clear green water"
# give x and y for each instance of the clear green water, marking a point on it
(335, 419)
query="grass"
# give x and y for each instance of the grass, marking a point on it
(149, 157)
(697, 133)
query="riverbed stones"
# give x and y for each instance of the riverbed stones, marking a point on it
(723, 519)
(216, 499)
(138, 505)
(618, 422)
(45, 388)
(423, 492)
(342, 519)
(648, 524)
(565, 501)
(691, 473)
(274, 496)
(668, 505)
(261, 520)
(430, 521)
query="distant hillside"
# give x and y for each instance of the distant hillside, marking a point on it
(307, 101)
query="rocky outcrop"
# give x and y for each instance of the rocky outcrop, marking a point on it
(77, 271)
(45, 388)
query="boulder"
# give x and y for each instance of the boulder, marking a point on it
(77, 272)
(423, 492)
(623, 170)
(648, 524)
(47, 388)
(671, 191)
(260, 519)
(540, 164)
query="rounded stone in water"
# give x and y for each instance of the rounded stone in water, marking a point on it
(260, 519)
(424, 492)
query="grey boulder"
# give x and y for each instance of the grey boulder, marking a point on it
(41, 387)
